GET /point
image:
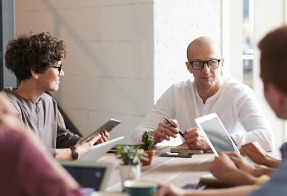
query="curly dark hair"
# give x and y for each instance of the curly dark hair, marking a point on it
(33, 52)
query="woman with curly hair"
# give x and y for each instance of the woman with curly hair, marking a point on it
(36, 61)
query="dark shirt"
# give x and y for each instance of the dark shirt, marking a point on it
(45, 119)
(277, 184)
(25, 171)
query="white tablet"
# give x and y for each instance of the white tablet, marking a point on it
(100, 149)
(216, 134)
(108, 126)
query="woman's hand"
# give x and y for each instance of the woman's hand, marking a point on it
(85, 147)
(105, 136)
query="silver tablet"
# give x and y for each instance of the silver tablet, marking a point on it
(108, 126)
(99, 150)
(216, 134)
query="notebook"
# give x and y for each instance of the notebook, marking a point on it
(92, 176)
(183, 148)
(218, 138)
(100, 149)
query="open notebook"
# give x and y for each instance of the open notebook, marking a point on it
(92, 176)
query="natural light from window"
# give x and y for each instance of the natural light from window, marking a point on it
(248, 42)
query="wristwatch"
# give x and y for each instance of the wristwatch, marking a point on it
(75, 154)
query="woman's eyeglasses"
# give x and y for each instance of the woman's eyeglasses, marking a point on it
(58, 67)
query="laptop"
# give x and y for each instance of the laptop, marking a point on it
(92, 176)
(100, 149)
(217, 137)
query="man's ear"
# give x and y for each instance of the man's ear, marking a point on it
(222, 62)
(278, 99)
(34, 74)
(275, 93)
(189, 67)
(221, 65)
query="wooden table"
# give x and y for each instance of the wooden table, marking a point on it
(178, 171)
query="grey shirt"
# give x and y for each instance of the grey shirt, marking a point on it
(45, 119)
(277, 184)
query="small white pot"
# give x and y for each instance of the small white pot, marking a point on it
(129, 172)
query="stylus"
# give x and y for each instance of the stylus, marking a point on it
(171, 124)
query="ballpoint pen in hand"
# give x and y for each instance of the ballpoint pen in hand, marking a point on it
(171, 124)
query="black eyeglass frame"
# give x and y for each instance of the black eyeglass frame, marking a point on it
(58, 67)
(205, 62)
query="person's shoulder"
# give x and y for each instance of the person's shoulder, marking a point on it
(48, 98)
(10, 138)
(10, 93)
(183, 84)
(49, 101)
(236, 85)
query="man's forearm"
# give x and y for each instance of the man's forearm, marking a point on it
(261, 170)
(272, 162)
(156, 139)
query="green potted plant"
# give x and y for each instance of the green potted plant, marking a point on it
(129, 154)
(147, 145)
(130, 167)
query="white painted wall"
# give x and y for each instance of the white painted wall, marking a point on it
(176, 24)
(109, 73)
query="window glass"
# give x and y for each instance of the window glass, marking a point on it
(248, 42)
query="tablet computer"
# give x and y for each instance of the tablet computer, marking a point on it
(217, 136)
(99, 150)
(108, 126)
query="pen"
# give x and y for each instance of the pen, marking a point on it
(170, 123)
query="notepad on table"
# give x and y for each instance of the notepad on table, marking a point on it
(183, 148)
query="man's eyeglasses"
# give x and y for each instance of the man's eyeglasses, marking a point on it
(212, 64)
(58, 67)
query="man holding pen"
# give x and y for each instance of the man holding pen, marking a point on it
(209, 92)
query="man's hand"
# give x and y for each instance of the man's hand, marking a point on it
(220, 164)
(242, 163)
(170, 190)
(164, 131)
(195, 139)
(254, 151)
(227, 171)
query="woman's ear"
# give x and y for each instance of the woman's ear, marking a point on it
(34, 74)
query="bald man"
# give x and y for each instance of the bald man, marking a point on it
(207, 92)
